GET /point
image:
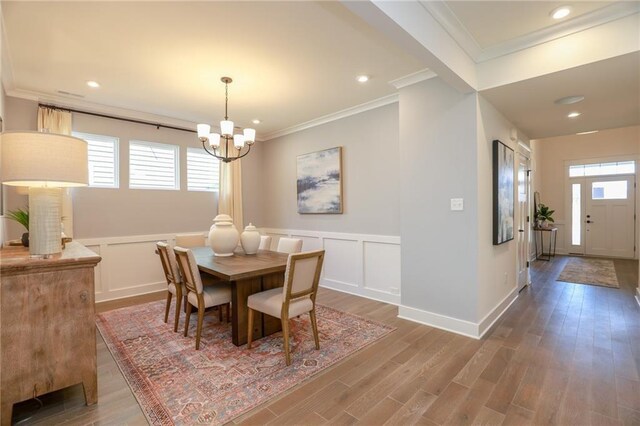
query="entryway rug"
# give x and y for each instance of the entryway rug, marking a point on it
(580, 270)
(175, 384)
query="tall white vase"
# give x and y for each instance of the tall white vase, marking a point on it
(223, 236)
(250, 239)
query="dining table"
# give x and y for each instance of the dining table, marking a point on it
(247, 274)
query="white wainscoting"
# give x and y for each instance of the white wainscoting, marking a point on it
(129, 265)
(361, 264)
(364, 265)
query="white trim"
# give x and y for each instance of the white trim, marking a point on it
(452, 25)
(414, 78)
(391, 299)
(443, 322)
(638, 295)
(74, 103)
(377, 103)
(458, 326)
(496, 313)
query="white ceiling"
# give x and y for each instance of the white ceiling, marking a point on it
(291, 62)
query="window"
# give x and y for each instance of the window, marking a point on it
(616, 190)
(202, 171)
(103, 160)
(599, 169)
(153, 166)
(576, 215)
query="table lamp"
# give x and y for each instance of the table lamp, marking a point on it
(45, 163)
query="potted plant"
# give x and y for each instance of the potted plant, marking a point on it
(543, 215)
(22, 217)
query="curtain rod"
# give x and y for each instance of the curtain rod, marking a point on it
(112, 117)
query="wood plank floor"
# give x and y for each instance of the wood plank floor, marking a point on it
(563, 353)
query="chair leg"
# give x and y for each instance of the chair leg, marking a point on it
(176, 321)
(166, 311)
(249, 328)
(314, 326)
(199, 327)
(228, 312)
(285, 335)
(187, 318)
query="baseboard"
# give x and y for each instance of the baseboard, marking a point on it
(496, 313)
(130, 292)
(458, 326)
(393, 299)
(443, 322)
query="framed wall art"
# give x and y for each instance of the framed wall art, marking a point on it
(503, 198)
(319, 182)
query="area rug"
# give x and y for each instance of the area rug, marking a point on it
(175, 384)
(590, 271)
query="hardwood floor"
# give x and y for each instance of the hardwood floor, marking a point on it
(562, 354)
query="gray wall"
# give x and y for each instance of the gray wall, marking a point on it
(438, 158)
(371, 182)
(100, 212)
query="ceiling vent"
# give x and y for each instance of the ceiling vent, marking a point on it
(75, 95)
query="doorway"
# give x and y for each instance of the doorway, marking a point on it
(602, 210)
(523, 222)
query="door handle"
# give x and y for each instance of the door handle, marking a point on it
(590, 221)
(520, 230)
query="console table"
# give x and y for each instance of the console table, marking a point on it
(538, 234)
(47, 324)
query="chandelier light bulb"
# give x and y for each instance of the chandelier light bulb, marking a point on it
(238, 141)
(214, 140)
(203, 131)
(249, 136)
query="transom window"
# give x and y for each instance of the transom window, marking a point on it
(600, 169)
(153, 165)
(103, 160)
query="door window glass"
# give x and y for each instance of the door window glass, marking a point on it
(614, 190)
(576, 223)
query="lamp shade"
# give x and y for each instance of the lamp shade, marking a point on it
(238, 141)
(43, 159)
(226, 127)
(203, 131)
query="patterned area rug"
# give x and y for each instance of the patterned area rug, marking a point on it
(175, 384)
(590, 271)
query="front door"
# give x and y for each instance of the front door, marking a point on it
(523, 221)
(609, 216)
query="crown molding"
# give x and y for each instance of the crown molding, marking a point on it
(5, 57)
(580, 23)
(387, 100)
(414, 78)
(87, 106)
(450, 22)
(452, 25)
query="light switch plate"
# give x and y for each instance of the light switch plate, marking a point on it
(457, 204)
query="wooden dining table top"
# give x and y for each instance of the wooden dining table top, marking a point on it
(240, 265)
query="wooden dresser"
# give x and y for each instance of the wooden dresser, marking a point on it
(47, 324)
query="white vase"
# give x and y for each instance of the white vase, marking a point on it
(223, 236)
(250, 239)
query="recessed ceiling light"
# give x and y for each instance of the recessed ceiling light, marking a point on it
(93, 84)
(588, 133)
(255, 121)
(362, 78)
(560, 12)
(573, 114)
(568, 100)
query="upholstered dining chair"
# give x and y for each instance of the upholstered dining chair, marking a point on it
(297, 297)
(265, 242)
(289, 245)
(199, 295)
(175, 286)
(190, 240)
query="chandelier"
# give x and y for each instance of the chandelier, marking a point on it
(220, 143)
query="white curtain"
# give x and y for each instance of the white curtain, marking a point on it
(230, 195)
(55, 121)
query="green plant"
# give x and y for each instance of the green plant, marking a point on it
(21, 216)
(544, 213)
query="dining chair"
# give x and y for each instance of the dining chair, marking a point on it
(175, 286)
(199, 295)
(265, 242)
(190, 240)
(289, 245)
(297, 297)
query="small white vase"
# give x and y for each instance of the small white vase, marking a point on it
(223, 236)
(250, 239)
